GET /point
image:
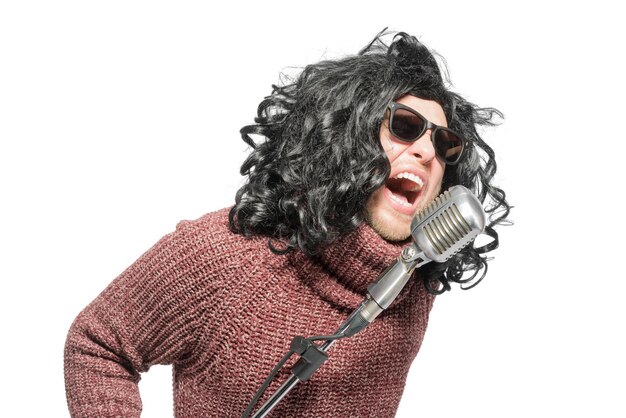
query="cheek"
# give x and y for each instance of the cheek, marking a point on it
(392, 148)
(437, 171)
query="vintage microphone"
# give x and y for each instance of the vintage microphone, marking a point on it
(449, 223)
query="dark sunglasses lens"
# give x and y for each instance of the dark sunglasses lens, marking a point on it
(406, 125)
(448, 145)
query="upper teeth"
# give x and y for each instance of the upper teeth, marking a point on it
(410, 176)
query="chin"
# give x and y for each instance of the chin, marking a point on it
(391, 233)
(392, 227)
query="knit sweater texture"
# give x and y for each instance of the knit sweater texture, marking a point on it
(222, 309)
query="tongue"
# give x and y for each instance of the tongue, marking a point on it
(402, 185)
(407, 185)
(402, 189)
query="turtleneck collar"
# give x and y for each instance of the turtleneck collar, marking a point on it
(341, 272)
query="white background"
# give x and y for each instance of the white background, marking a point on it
(120, 118)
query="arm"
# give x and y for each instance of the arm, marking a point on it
(150, 314)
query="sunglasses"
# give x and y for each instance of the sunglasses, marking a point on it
(408, 126)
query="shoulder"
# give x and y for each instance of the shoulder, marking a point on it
(209, 240)
(208, 228)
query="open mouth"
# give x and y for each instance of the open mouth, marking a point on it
(404, 189)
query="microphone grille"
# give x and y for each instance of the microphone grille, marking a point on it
(433, 206)
(448, 224)
(446, 229)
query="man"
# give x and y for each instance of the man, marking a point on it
(352, 150)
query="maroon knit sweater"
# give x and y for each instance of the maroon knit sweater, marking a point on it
(223, 309)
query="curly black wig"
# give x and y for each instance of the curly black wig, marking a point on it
(320, 159)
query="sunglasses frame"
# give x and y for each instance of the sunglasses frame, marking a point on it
(393, 106)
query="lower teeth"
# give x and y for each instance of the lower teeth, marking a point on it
(400, 201)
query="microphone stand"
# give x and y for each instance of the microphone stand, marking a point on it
(290, 383)
(380, 295)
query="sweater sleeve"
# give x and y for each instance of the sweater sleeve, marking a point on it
(151, 314)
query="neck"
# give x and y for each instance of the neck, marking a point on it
(341, 272)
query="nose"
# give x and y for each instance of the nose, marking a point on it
(423, 148)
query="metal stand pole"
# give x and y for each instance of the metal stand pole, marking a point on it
(290, 383)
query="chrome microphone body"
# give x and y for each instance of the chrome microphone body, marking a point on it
(452, 221)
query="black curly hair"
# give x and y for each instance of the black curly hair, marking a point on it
(320, 157)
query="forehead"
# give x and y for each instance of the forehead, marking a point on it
(430, 109)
